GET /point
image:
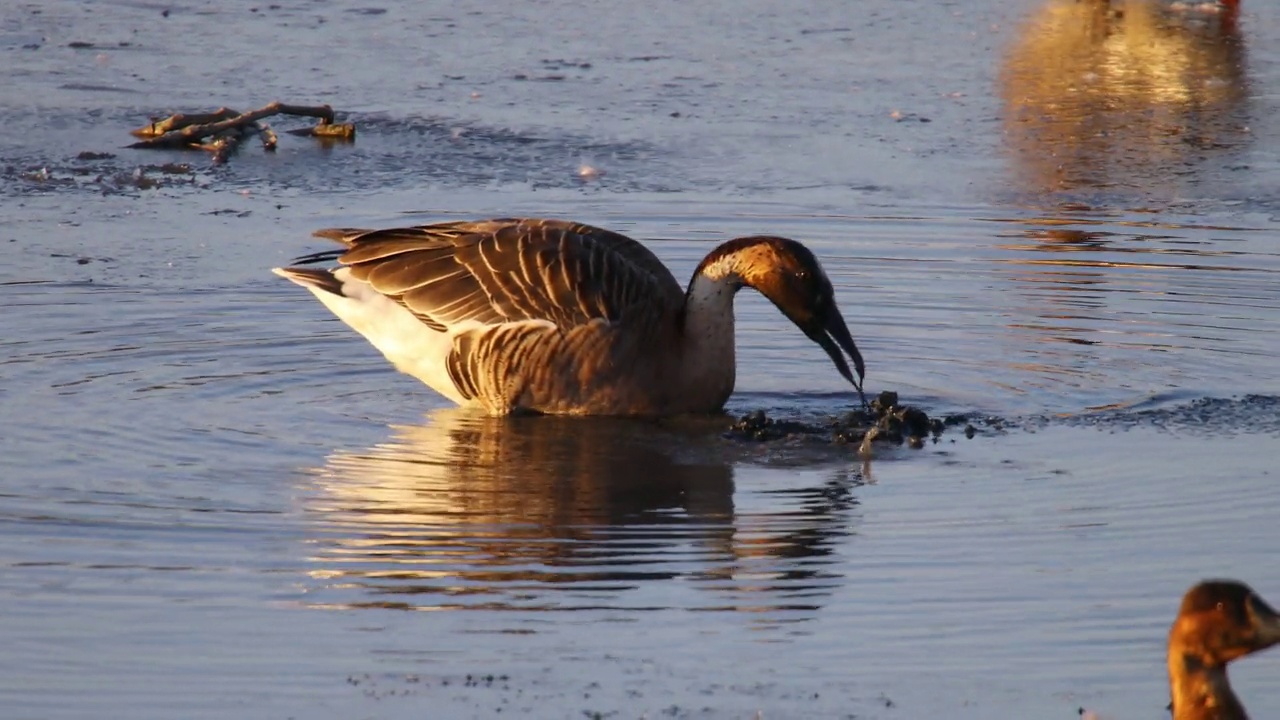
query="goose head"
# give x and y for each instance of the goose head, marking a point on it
(1219, 621)
(789, 274)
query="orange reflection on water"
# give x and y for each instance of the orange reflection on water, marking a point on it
(467, 511)
(1131, 95)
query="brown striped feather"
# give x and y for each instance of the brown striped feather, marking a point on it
(549, 298)
(508, 270)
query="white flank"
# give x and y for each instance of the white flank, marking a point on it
(413, 347)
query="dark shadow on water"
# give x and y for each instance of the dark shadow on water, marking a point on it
(1200, 417)
(1134, 100)
(542, 513)
(1181, 412)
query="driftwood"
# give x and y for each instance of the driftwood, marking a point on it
(329, 131)
(221, 131)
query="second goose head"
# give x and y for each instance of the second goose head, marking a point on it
(1219, 621)
(787, 273)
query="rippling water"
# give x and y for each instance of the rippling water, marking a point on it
(216, 500)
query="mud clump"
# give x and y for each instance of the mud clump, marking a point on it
(760, 427)
(885, 421)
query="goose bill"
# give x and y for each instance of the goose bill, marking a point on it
(1266, 622)
(833, 336)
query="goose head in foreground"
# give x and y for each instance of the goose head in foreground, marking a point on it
(1219, 621)
(559, 317)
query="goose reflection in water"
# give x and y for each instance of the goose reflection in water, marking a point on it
(469, 511)
(1125, 96)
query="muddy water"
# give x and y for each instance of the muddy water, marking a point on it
(218, 501)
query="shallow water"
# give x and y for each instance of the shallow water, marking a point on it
(217, 500)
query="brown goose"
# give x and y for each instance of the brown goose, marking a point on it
(1220, 620)
(558, 317)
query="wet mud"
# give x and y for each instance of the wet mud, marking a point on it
(886, 421)
(94, 172)
(890, 422)
(444, 152)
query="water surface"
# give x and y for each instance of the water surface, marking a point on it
(219, 501)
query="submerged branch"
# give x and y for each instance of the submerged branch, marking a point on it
(180, 121)
(222, 130)
(268, 137)
(328, 131)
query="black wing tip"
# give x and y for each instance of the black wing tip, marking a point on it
(324, 256)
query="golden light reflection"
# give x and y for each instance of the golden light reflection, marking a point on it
(468, 511)
(1123, 95)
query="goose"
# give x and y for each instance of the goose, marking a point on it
(557, 317)
(1219, 621)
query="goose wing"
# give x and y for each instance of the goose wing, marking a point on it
(502, 271)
